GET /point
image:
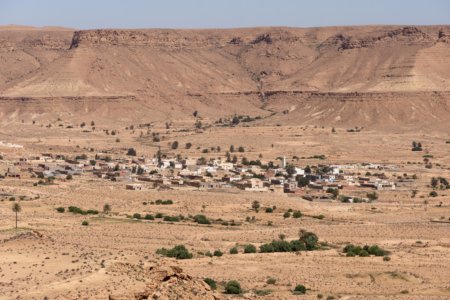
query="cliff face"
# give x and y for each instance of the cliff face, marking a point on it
(204, 65)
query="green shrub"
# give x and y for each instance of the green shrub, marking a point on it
(297, 214)
(159, 215)
(372, 196)
(271, 280)
(201, 219)
(376, 250)
(433, 194)
(163, 202)
(281, 246)
(249, 249)
(178, 252)
(269, 210)
(266, 248)
(233, 287)
(297, 245)
(287, 215)
(171, 219)
(85, 223)
(149, 217)
(300, 289)
(234, 250)
(386, 258)
(137, 216)
(217, 253)
(262, 292)
(60, 209)
(77, 210)
(211, 282)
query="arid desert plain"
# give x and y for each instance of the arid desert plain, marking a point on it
(259, 163)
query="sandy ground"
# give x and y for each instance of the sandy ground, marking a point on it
(52, 255)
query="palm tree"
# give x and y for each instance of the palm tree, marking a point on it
(106, 208)
(16, 208)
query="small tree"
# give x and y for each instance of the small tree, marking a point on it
(106, 208)
(17, 209)
(256, 205)
(372, 196)
(309, 238)
(174, 145)
(434, 182)
(131, 152)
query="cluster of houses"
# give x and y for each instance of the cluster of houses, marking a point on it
(140, 173)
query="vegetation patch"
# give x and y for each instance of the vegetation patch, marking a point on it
(77, 210)
(352, 250)
(178, 252)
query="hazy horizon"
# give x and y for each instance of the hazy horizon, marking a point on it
(201, 14)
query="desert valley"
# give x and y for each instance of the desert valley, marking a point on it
(254, 163)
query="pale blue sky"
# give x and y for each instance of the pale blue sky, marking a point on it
(221, 13)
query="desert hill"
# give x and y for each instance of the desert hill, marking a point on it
(379, 76)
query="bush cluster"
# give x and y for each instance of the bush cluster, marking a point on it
(178, 252)
(365, 251)
(308, 241)
(163, 202)
(77, 210)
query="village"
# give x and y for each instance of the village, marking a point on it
(319, 182)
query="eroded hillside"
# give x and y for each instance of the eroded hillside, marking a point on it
(171, 73)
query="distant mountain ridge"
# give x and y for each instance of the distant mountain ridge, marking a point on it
(200, 68)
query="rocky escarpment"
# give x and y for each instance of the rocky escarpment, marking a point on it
(155, 38)
(169, 283)
(45, 40)
(405, 35)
